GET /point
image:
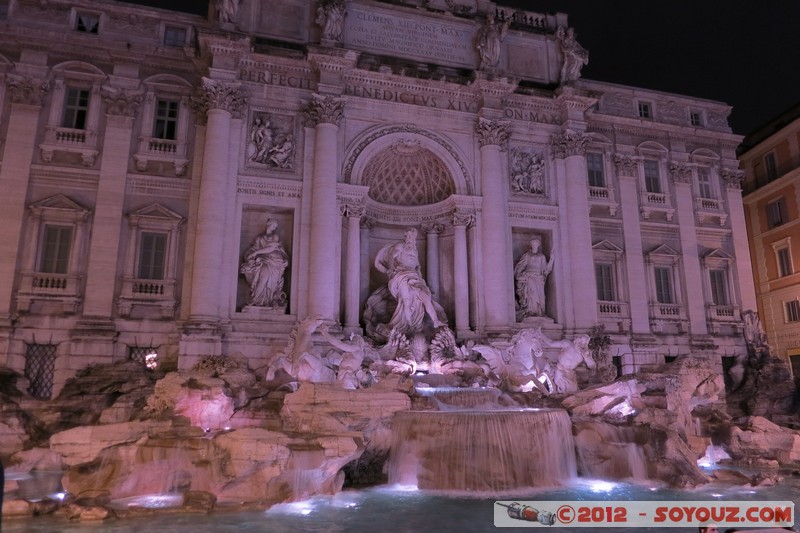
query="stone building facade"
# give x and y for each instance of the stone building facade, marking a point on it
(147, 155)
(770, 158)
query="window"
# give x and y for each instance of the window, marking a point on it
(76, 108)
(40, 364)
(145, 356)
(793, 311)
(604, 274)
(696, 118)
(663, 277)
(174, 36)
(784, 257)
(719, 288)
(55, 253)
(152, 252)
(776, 213)
(771, 166)
(3, 10)
(652, 178)
(594, 163)
(645, 110)
(704, 182)
(87, 22)
(166, 122)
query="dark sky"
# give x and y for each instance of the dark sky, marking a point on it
(741, 52)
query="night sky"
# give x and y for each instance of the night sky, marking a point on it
(741, 52)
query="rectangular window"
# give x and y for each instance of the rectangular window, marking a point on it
(664, 285)
(166, 123)
(40, 364)
(604, 273)
(645, 110)
(152, 252)
(174, 36)
(719, 290)
(76, 108)
(784, 262)
(793, 311)
(87, 22)
(771, 166)
(652, 179)
(776, 213)
(704, 182)
(594, 163)
(696, 118)
(55, 252)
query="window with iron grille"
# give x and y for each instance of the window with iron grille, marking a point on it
(55, 252)
(663, 277)
(594, 164)
(76, 108)
(140, 353)
(604, 273)
(719, 287)
(652, 177)
(166, 123)
(152, 252)
(40, 364)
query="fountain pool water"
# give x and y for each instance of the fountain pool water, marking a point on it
(403, 511)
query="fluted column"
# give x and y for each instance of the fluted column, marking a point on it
(461, 221)
(219, 101)
(352, 281)
(27, 95)
(101, 271)
(498, 295)
(632, 235)
(692, 272)
(325, 113)
(571, 147)
(432, 232)
(365, 264)
(732, 179)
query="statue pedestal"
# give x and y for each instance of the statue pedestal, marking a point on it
(256, 311)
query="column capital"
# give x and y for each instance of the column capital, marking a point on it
(493, 132)
(216, 94)
(680, 171)
(323, 110)
(433, 228)
(568, 143)
(121, 102)
(464, 217)
(732, 177)
(367, 223)
(352, 210)
(626, 165)
(27, 90)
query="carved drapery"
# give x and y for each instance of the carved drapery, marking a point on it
(121, 102)
(323, 110)
(27, 90)
(569, 143)
(681, 172)
(732, 177)
(219, 95)
(626, 165)
(494, 132)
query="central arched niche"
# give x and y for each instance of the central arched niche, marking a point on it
(406, 173)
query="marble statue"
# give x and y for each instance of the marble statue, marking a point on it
(299, 359)
(573, 354)
(531, 272)
(575, 56)
(490, 35)
(330, 17)
(226, 10)
(527, 173)
(264, 264)
(406, 285)
(353, 355)
(520, 367)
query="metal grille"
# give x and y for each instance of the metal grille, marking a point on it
(40, 364)
(140, 355)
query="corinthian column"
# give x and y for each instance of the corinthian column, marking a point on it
(324, 113)
(571, 147)
(352, 282)
(498, 295)
(219, 102)
(461, 221)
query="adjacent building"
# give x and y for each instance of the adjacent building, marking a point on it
(174, 186)
(770, 157)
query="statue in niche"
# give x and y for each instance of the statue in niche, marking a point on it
(573, 354)
(226, 10)
(490, 35)
(531, 272)
(330, 17)
(527, 173)
(575, 56)
(406, 296)
(264, 264)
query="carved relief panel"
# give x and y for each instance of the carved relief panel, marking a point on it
(271, 141)
(527, 173)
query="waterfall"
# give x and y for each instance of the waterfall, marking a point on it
(607, 451)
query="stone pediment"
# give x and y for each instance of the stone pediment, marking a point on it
(156, 211)
(718, 257)
(663, 250)
(606, 246)
(58, 201)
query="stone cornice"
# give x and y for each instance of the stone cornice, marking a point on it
(659, 130)
(442, 212)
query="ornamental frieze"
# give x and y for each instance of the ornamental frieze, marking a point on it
(323, 110)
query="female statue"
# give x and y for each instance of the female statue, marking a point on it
(264, 263)
(531, 272)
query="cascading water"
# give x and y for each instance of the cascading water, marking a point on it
(610, 452)
(481, 449)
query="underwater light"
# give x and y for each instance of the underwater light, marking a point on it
(601, 486)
